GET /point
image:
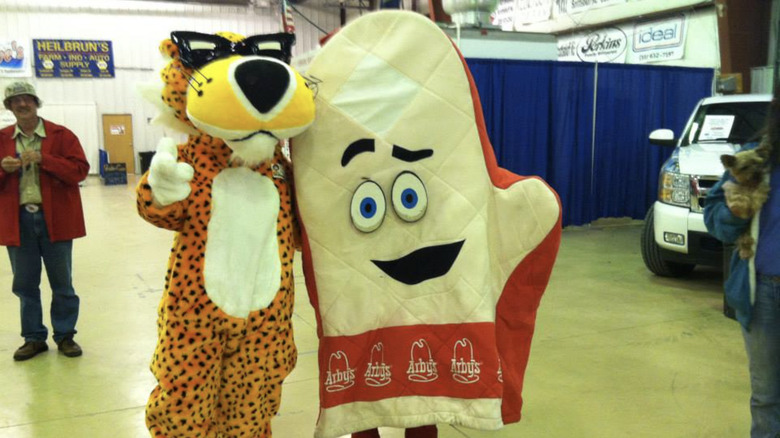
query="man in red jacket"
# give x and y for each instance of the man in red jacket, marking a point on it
(40, 215)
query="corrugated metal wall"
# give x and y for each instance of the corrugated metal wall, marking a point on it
(136, 29)
(761, 79)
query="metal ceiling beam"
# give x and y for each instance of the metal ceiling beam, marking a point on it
(210, 2)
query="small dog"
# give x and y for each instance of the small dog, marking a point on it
(746, 196)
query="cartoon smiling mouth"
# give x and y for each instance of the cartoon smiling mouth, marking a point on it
(422, 264)
(260, 132)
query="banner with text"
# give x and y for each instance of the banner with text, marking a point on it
(73, 59)
(659, 40)
(504, 15)
(608, 44)
(532, 11)
(13, 63)
(642, 42)
(564, 7)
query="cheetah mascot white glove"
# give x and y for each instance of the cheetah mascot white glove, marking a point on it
(170, 181)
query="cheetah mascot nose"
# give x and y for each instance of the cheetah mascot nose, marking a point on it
(264, 82)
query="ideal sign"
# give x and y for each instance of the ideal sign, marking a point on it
(659, 40)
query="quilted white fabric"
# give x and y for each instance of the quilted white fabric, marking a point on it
(409, 242)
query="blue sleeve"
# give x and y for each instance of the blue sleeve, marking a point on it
(719, 220)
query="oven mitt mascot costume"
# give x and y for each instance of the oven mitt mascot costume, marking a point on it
(425, 262)
(224, 327)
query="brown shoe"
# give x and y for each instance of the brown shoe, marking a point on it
(30, 349)
(69, 348)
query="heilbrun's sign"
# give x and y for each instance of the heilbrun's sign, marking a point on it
(73, 59)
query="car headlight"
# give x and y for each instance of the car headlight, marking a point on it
(674, 187)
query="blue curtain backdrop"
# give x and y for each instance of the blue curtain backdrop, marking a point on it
(540, 119)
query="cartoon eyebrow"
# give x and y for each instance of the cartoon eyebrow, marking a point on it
(356, 147)
(409, 156)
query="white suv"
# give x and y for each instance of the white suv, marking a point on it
(675, 239)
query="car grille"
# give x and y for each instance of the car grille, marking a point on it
(700, 186)
(710, 243)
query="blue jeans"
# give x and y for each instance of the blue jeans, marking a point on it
(762, 343)
(26, 267)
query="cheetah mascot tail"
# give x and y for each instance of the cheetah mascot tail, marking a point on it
(225, 339)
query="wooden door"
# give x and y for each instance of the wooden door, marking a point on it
(118, 139)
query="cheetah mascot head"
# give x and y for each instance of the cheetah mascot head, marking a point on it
(231, 89)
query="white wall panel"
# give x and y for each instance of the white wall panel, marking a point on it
(761, 79)
(136, 29)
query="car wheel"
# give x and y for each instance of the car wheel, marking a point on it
(651, 254)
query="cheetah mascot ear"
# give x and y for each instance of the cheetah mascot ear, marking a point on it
(224, 325)
(154, 92)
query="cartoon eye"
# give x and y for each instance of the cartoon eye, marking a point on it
(368, 207)
(410, 200)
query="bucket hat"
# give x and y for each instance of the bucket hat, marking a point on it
(19, 88)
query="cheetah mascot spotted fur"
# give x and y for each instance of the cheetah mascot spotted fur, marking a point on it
(225, 340)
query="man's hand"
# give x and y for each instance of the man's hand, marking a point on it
(170, 181)
(30, 157)
(11, 164)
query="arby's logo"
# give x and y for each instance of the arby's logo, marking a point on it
(378, 372)
(464, 368)
(422, 366)
(339, 375)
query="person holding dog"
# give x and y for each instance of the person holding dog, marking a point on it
(738, 210)
(40, 215)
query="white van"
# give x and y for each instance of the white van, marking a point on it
(675, 239)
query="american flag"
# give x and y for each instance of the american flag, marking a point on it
(287, 20)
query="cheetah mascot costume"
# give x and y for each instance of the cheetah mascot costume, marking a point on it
(225, 340)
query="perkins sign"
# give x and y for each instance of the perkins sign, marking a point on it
(603, 45)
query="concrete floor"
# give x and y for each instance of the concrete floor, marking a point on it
(618, 352)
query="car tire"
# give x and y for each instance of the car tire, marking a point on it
(651, 254)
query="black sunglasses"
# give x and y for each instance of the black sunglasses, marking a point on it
(198, 49)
